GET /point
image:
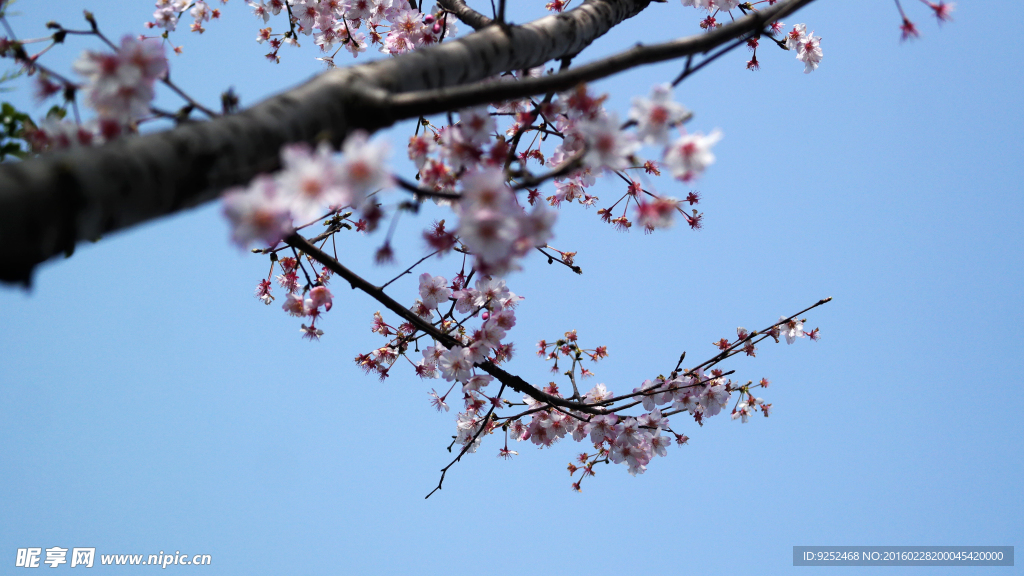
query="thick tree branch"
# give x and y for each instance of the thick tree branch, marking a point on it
(467, 15)
(434, 101)
(50, 203)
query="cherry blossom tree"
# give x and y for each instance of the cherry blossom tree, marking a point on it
(503, 139)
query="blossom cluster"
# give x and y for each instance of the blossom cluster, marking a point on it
(488, 299)
(634, 440)
(118, 85)
(493, 224)
(395, 26)
(590, 141)
(621, 439)
(301, 300)
(471, 166)
(618, 438)
(310, 183)
(168, 12)
(808, 48)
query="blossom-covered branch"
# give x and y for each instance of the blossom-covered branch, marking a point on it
(462, 96)
(357, 282)
(50, 203)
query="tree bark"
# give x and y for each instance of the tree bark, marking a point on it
(50, 203)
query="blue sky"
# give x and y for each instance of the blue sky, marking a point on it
(148, 402)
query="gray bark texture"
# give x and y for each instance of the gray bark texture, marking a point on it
(50, 203)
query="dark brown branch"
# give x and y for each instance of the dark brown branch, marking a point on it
(409, 269)
(357, 282)
(483, 427)
(552, 259)
(563, 169)
(735, 348)
(422, 193)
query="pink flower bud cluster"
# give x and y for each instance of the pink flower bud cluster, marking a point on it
(302, 300)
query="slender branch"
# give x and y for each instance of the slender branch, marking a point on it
(423, 193)
(734, 348)
(409, 269)
(530, 181)
(357, 282)
(501, 12)
(483, 426)
(688, 70)
(552, 259)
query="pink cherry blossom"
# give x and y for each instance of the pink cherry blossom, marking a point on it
(321, 296)
(809, 53)
(263, 292)
(656, 114)
(690, 155)
(792, 330)
(363, 167)
(294, 305)
(260, 10)
(437, 401)
(795, 36)
(455, 364)
(311, 332)
(477, 125)
(476, 383)
(607, 145)
(310, 181)
(120, 85)
(657, 213)
(259, 213)
(433, 290)
(942, 10)
(598, 393)
(419, 148)
(713, 398)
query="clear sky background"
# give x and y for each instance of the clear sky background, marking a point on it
(149, 403)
